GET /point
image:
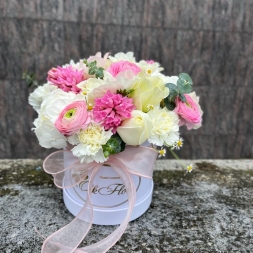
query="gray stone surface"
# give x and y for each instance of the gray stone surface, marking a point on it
(208, 210)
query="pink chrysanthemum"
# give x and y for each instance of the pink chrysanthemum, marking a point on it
(111, 109)
(66, 78)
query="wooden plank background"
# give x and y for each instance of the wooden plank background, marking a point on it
(212, 40)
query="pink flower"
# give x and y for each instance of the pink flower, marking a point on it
(73, 118)
(190, 112)
(66, 78)
(111, 109)
(150, 61)
(121, 66)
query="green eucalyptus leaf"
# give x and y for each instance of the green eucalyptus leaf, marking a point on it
(172, 87)
(182, 97)
(169, 105)
(183, 87)
(186, 78)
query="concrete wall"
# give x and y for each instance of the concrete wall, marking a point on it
(212, 40)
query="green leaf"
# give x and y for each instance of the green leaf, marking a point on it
(30, 79)
(172, 87)
(182, 97)
(125, 93)
(113, 146)
(98, 72)
(186, 78)
(174, 91)
(183, 87)
(169, 105)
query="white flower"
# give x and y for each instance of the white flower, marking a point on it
(162, 152)
(89, 85)
(49, 136)
(178, 144)
(136, 130)
(56, 101)
(165, 127)
(91, 140)
(147, 69)
(122, 81)
(80, 65)
(171, 79)
(36, 97)
(189, 168)
(129, 56)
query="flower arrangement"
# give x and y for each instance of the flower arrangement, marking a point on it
(103, 109)
(101, 104)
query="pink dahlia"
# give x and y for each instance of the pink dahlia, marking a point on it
(66, 78)
(121, 66)
(111, 109)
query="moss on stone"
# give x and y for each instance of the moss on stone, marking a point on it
(25, 174)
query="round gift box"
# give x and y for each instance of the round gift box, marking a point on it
(109, 198)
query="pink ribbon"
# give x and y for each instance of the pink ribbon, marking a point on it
(137, 160)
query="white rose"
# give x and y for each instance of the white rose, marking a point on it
(136, 130)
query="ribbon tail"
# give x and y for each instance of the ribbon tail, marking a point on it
(105, 244)
(67, 239)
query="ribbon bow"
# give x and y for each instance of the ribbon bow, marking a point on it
(137, 160)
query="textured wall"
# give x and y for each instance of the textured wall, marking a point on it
(212, 40)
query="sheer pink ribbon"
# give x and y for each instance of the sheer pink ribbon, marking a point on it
(137, 160)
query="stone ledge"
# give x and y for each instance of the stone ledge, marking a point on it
(208, 210)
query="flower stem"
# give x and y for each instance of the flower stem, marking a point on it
(175, 155)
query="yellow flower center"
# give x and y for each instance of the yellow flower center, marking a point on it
(70, 113)
(90, 107)
(149, 71)
(189, 168)
(162, 152)
(179, 143)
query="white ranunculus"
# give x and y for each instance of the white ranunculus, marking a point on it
(91, 140)
(165, 127)
(37, 96)
(49, 136)
(56, 101)
(136, 130)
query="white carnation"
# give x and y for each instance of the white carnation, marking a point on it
(165, 127)
(129, 56)
(91, 140)
(49, 136)
(37, 96)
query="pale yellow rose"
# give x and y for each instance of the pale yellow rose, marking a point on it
(136, 130)
(148, 92)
